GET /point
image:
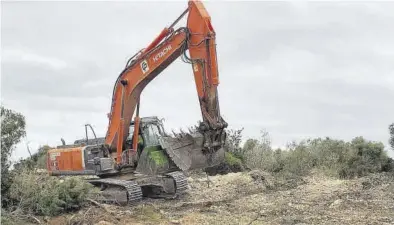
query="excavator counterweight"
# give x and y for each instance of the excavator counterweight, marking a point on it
(136, 155)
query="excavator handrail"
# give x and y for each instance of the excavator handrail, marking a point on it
(86, 132)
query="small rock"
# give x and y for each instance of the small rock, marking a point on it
(175, 222)
(190, 180)
(336, 203)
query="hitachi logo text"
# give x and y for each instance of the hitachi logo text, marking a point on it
(162, 53)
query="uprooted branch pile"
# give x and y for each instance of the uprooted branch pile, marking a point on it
(37, 194)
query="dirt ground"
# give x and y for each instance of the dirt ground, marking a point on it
(257, 198)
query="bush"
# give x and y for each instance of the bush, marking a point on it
(12, 131)
(41, 194)
(333, 157)
(37, 160)
(365, 157)
(233, 162)
(233, 143)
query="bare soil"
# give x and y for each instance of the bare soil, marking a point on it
(257, 198)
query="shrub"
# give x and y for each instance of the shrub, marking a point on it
(41, 194)
(233, 142)
(365, 157)
(231, 159)
(333, 157)
(37, 160)
(12, 131)
(259, 154)
(233, 162)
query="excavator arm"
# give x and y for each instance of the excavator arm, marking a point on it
(198, 37)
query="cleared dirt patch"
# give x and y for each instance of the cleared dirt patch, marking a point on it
(250, 198)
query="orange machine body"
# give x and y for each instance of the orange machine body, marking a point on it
(67, 159)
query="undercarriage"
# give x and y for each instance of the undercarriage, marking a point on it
(130, 189)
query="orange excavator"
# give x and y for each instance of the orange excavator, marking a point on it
(137, 158)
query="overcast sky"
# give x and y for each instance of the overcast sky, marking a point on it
(296, 70)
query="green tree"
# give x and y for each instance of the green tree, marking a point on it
(391, 130)
(37, 160)
(12, 131)
(250, 144)
(233, 141)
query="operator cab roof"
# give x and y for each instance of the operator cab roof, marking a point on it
(148, 119)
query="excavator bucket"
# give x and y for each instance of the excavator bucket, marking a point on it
(187, 152)
(184, 153)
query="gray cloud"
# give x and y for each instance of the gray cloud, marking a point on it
(295, 69)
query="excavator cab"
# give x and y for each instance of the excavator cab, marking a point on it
(150, 130)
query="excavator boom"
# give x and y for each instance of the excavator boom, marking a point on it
(199, 38)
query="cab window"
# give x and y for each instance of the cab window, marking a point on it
(152, 135)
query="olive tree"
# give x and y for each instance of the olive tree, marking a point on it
(12, 131)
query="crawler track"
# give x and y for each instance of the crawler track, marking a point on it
(133, 191)
(130, 191)
(180, 181)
